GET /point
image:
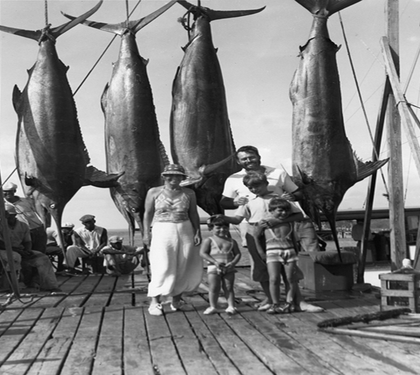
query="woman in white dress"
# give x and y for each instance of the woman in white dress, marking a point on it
(175, 262)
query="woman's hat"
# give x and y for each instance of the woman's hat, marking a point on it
(174, 169)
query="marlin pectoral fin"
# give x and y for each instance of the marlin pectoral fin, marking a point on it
(17, 94)
(32, 182)
(366, 169)
(191, 181)
(101, 179)
(207, 169)
(103, 98)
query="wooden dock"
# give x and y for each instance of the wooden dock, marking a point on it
(99, 325)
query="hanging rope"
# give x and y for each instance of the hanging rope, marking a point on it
(127, 10)
(361, 100)
(103, 53)
(46, 12)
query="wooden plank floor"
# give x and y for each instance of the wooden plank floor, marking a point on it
(100, 325)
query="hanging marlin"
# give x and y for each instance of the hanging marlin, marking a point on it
(132, 141)
(200, 133)
(51, 158)
(324, 164)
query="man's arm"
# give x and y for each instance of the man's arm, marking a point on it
(103, 241)
(272, 222)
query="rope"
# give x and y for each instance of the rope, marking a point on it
(46, 12)
(103, 53)
(127, 10)
(10, 175)
(361, 99)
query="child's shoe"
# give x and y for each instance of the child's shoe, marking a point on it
(274, 309)
(155, 309)
(231, 310)
(264, 307)
(287, 308)
(210, 311)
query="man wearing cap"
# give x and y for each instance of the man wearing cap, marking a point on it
(120, 259)
(88, 241)
(37, 270)
(27, 214)
(52, 244)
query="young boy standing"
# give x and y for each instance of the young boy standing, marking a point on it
(282, 256)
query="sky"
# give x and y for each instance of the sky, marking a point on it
(258, 55)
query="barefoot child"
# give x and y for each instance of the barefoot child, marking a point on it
(222, 253)
(281, 254)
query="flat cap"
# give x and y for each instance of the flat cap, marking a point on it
(115, 239)
(9, 186)
(67, 225)
(86, 218)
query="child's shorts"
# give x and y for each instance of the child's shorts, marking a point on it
(282, 256)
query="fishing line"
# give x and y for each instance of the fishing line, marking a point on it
(103, 53)
(10, 175)
(361, 99)
(46, 12)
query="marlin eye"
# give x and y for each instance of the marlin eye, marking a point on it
(52, 205)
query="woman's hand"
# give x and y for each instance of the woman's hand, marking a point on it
(197, 239)
(146, 241)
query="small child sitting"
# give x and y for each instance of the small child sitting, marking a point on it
(281, 254)
(222, 254)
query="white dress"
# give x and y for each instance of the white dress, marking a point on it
(175, 262)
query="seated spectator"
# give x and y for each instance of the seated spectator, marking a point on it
(37, 270)
(120, 259)
(27, 214)
(53, 249)
(88, 242)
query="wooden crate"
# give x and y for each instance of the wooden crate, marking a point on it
(400, 289)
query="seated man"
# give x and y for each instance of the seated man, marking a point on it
(120, 259)
(37, 270)
(88, 242)
(52, 243)
(26, 213)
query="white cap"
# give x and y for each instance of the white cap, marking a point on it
(9, 186)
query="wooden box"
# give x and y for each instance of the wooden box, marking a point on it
(325, 277)
(400, 289)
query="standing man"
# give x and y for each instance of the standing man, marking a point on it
(27, 214)
(89, 241)
(236, 194)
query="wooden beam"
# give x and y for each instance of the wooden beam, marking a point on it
(372, 182)
(395, 170)
(403, 107)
